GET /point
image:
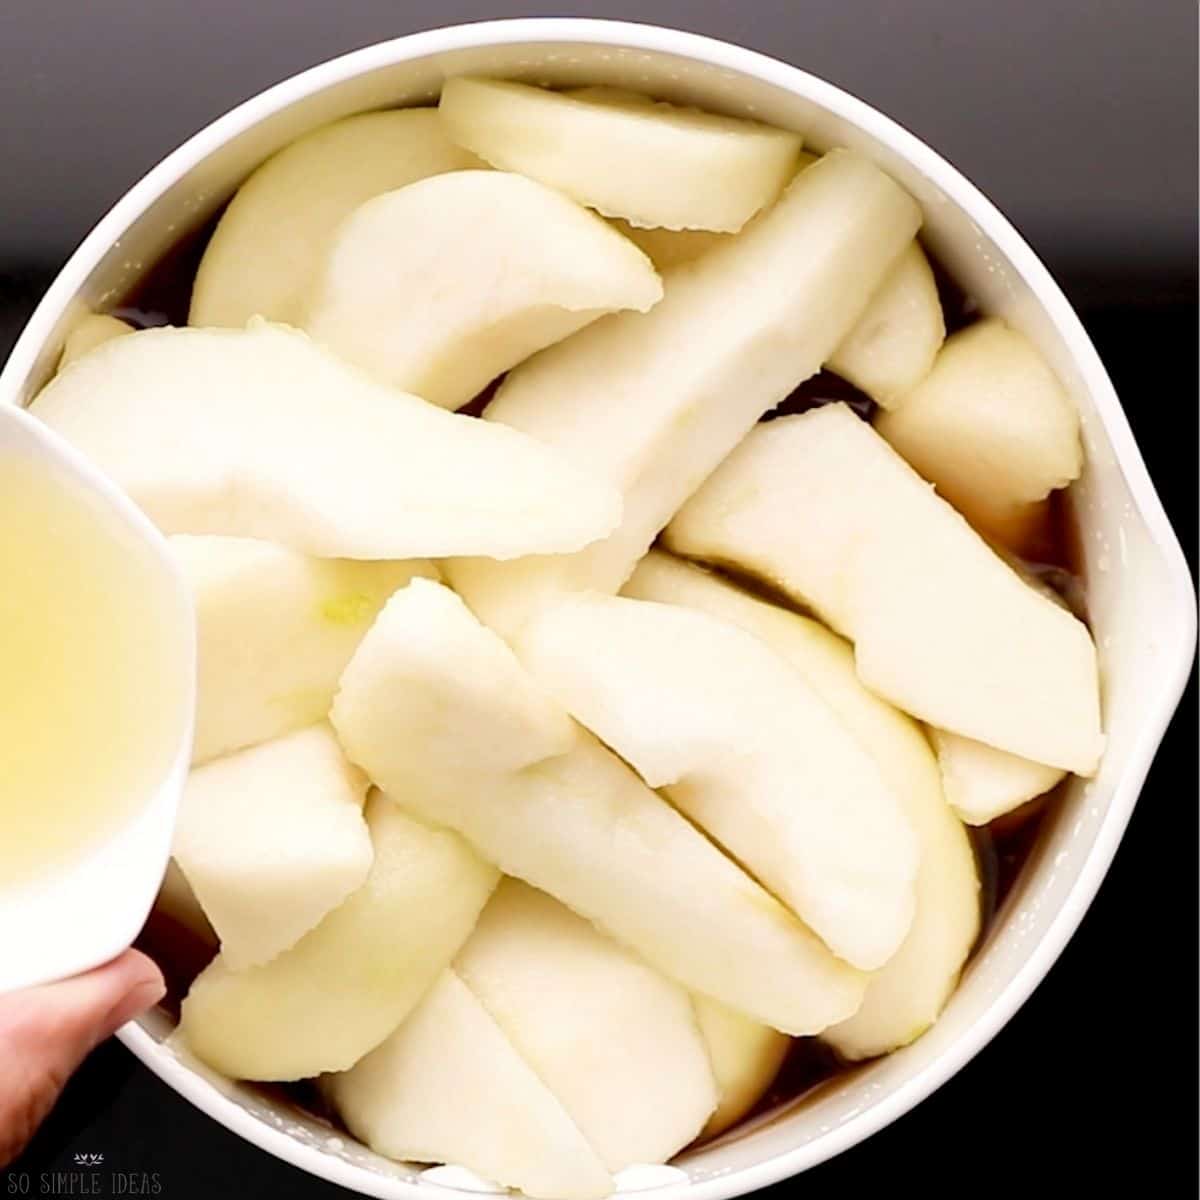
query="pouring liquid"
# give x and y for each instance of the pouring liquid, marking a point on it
(89, 719)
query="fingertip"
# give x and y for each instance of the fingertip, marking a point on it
(137, 985)
(134, 969)
(89, 1007)
(46, 1031)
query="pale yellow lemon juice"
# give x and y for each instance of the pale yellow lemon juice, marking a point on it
(91, 669)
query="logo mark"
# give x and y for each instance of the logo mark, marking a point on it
(89, 1160)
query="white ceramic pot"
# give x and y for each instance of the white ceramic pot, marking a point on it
(1139, 592)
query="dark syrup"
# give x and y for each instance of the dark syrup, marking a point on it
(162, 297)
(824, 388)
(163, 294)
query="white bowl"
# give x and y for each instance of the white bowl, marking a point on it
(1139, 592)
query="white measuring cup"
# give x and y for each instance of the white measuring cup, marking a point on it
(82, 912)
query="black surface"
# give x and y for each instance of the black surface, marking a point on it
(1095, 1078)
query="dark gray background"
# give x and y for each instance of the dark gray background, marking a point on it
(1079, 118)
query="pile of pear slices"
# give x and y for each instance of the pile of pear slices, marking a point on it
(533, 843)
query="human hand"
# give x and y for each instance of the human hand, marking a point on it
(47, 1031)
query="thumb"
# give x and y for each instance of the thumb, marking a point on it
(47, 1031)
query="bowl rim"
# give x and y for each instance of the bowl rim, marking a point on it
(1179, 616)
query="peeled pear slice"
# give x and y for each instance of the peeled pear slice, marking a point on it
(271, 839)
(615, 1041)
(745, 1057)
(448, 1087)
(992, 427)
(274, 631)
(448, 691)
(264, 254)
(261, 433)
(653, 164)
(652, 403)
(983, 783)
(822, 507)
(93, 330)
(906, 996)
(894, 344)
(517, 267)
(747, 750)
(437, 709)
(348, 983)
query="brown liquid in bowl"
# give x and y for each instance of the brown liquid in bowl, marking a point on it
(162, 297)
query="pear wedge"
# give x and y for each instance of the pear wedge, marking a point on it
(348, 983)
(747, 750)
(264, 254)
(274, 631)
(437, 709)
(448, 1087)
(271, 839)
(615, 1041)
(654, 164)
(745, 1056)
(518, 267)
(906, 996)
(262, 433)
(823, 508)
(992, 427)
(983, 783)
(895, 342)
